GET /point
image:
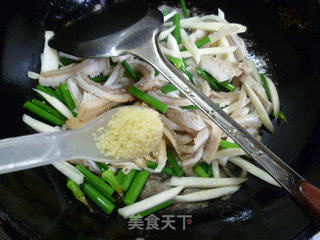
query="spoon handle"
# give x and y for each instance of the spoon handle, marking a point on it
(309, 196)
(278, 169)
(30, 151)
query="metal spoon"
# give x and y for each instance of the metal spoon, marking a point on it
(131, 28)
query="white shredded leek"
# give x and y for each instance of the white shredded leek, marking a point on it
(211, 26)
(169, 15)
(38, 125)
(200, 182)
(185, 20)
(149, 202)
(49, 60)
(164, 34)
(263, 115)
(274, 97)
(215, 169)
(254, 170)
(206, 194)
(210, 51)
(221, 13)
(33, 75)
(61, 54)
(173, 45)
(70, 171)
(190, 46)
(229, 152)
(63, 109)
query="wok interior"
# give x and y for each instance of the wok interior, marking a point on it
(291, 55)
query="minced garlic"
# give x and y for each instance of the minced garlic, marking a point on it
(131, 133)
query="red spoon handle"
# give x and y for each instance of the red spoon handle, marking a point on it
(309, 196)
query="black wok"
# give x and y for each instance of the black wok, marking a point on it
(36, 204)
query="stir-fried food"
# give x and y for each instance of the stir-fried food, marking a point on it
(178, 140)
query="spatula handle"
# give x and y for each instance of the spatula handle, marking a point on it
(308, 196)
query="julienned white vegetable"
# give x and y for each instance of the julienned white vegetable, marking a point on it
(263, 115)
(274, 96)
(164, 34)
(215, 169)
(221, 13)
(169, 15)
(63, 166)
(185, 20)
(210, 51)
(75, 92)
(173, 45)
(49, 60)
(56, 104)
(37, 125)
(33, 75)
(169, 52)
(229, 152)
(190, 46)
(211, 26)
(61, 54)
(206, 194)
(70, 171)
(149, 202)
(254, 170)
(230, 56)
(198, 182)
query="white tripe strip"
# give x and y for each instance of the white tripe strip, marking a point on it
(173, 45)
(215, 168)
(61, 54)
(254, 170)
(169, 15)
(211, 26)
(63, 109)
(164, 34)
(210, 51)
(38, 125)
(49, 59)
(33, 75)
(200, 182)
(274, 96)
(149, 202)
(263, 115)
(185, 20)
(206, 194)
(70, 171)
(190, 46)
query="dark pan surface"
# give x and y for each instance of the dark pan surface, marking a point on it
(36, 203)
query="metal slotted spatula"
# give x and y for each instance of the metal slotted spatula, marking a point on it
(131, 28)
